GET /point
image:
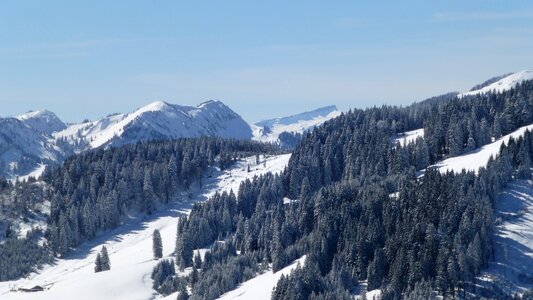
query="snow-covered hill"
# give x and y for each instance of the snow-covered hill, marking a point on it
(270, 130)
(503, 84)
(130, 247)
(23, 150)
(43, 121)
(158, 121)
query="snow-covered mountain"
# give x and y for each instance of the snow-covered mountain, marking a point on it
(24, 149)
(42, 120)
(270, 130)
(500, 84)
(157, 121)
(30, 141)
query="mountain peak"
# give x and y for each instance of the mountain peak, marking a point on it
(35, 114)
(155, 106)
(42, 120)
(211, 103)
(160, 120)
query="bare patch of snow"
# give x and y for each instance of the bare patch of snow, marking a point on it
(408, 137)
(260, 287)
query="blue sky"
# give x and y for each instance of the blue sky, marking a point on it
(263, 58)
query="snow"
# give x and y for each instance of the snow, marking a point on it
(503, 84)
(408, 137)
(130, 246)
(42, 120)
(370, 295)
(514, 238)
(20, 143)
(269, 130)
(260, 287)
(478, 158)
(36, 173)
(41, 136)
(289, 201)
(160, 120)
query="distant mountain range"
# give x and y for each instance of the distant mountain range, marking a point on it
(31, 141)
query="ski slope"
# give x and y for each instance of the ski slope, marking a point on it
(478, 158)
(130, 247)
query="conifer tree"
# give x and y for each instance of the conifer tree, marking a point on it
(106, 263)
(98, 263)
(157, 244)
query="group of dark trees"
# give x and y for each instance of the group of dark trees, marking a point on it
(102, 262)
(470, 122)
(90, 192)
(435, 234)
(20, 254)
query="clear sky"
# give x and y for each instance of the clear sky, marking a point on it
(263, 58)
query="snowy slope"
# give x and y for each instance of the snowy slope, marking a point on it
(260, 287)
(504, 84)
(43, 121)
(269, 130)
(130, 247)
(159, 121)
(478, 158)
(23, 149)
(513, 243)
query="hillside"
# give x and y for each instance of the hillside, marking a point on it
(270, 130)
(130, 246)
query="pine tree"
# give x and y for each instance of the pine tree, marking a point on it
(197, 261)
(105, 262)
(98, 263)
(157, 244)
(184, 252)
(183, 294)
(194, 276)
